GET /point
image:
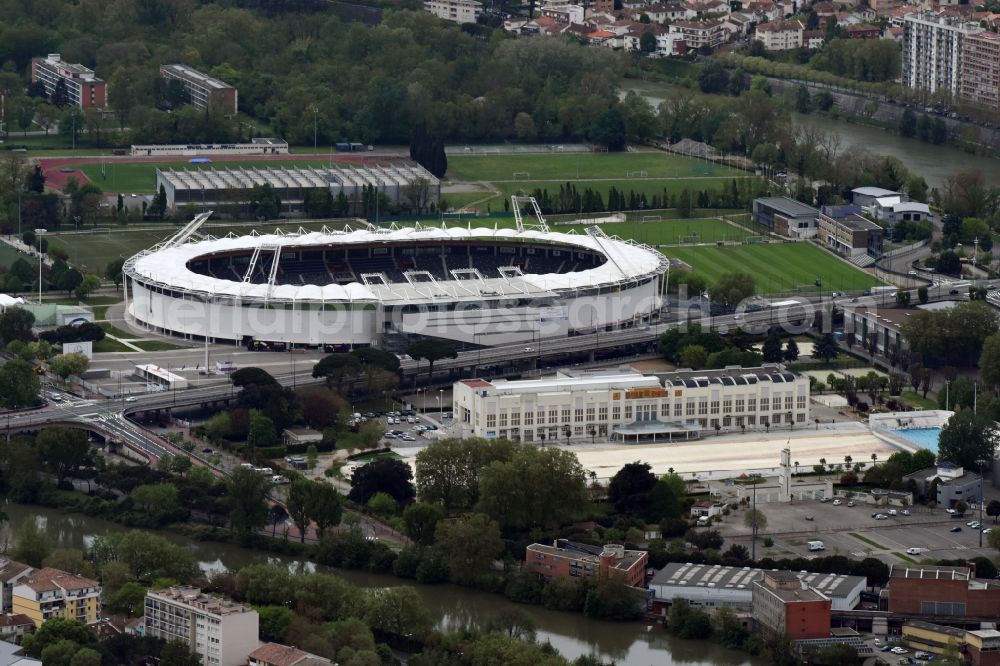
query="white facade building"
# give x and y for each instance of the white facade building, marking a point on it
(631, 407)
(460, 11)
(780, 35)
(932, 51)
(223, 632)
(710, 587)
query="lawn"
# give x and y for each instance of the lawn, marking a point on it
(109, 345)
(92, 252)
(647, 186)
(575, 166)
(129, 177)
(155, 345)
(9, 255)
(776, 266)
(672, 232)
(868, 541)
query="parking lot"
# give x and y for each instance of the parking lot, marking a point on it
(403, 428)
(852, 532)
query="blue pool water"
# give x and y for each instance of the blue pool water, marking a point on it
(923, 437)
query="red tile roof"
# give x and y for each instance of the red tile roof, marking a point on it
(50, 580)
(276, 654)
(476, 383)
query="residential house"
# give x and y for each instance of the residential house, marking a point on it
(884, 8)
(11, 573)
(780, 35)
(862, 31)
(707, 509)
(275, 654)
(667, 43)
(15, 625)
(813, 39)
(738, 23)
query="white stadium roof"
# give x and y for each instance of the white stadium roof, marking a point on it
(166, 265)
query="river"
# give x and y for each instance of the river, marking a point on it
(934, 163)
(628, 644)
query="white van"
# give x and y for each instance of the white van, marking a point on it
(816, 545)
(703, 521)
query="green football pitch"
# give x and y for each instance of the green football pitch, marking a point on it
(582, 166)
(776, 266)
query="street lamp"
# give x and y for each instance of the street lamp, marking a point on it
(753, 536)
(38, 234)
(440, 397)
(315, 117)
(982, 498)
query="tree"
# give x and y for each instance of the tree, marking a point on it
(420, 520)
(755, 518)
(826, 348)
(324, 507)
(31, 544)
(177, 653)
(666, 499)
(261, 432)
(803, 101)
(949, 263)
(64, 450)
(128, 600)
(19, 385)
(431, 349)
(908, 123)
(630, 487)
(383, 475)
(791, 350)
(448, 470)
(993, 510)
(732, 289)
(69, 365)
(647, 42)
(472, 543)
(86, 657)
(16, 323)
(398, 611)
(966, 439)
(55, 630)
(298, 505)
(922, 295)
(694, 357)
(989, 361)
(246, 494)
(87, 286)
(265, 203)
(772, 347)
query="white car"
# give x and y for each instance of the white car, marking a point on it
(131, 398)
(987, 530)
(881, 516)
(971, 523)
(899, 650)
(976, 525)
(837, 502)
(914, 551)
(407, 438)
(950, 510)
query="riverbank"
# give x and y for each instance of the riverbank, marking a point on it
(451, 607)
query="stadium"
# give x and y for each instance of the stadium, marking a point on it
(378, 286)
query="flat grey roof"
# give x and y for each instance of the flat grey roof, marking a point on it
(787, 206)
(928, 572)
(194, 76)
(685, 574)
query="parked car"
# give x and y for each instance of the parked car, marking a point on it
(881, 516)
(851, 503)
(837, 502)
(207, 450)
(905, 512)
(430, 427)
(956, 528)
(914, 551)
(407, 438)
(899, 650)
(389, 435)
(987, 530)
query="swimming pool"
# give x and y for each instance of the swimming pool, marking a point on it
(923, 437)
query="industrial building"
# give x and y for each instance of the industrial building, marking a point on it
(83, 88)
(712, 586)
(568, 559)
(223, 632)
(204, 91)
(208, 188)
(785, 605)
(630, 407)
(942, 592)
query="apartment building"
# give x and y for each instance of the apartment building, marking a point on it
(11, 573)
(696, 34)
(568, 559)
(49, 593)
(980, 82)
(83, 88)
(459, 11)
(780, 35)
(203, 90)
(933, 46)
(631, 407)
(784, 605)
(223, 632)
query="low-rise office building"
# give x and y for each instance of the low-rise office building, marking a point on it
(712, 586)
(954, 484)
(786, 216)
(942, 592)
(867, 196)
(846, 232)
(204, 91)
(50, 593)
(629, 406)
(223, 632)
(568, 559)
(982, 647)
(929, 637)
(785, 605)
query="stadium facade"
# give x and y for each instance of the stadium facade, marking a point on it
(481, 286)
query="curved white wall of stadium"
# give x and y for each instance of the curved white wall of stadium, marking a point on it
(165, 296)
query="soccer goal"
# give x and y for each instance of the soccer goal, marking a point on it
(651, 218)
(637, 174)
(750, 240)
(521, 175)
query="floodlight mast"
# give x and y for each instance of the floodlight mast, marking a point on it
(541, 225)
